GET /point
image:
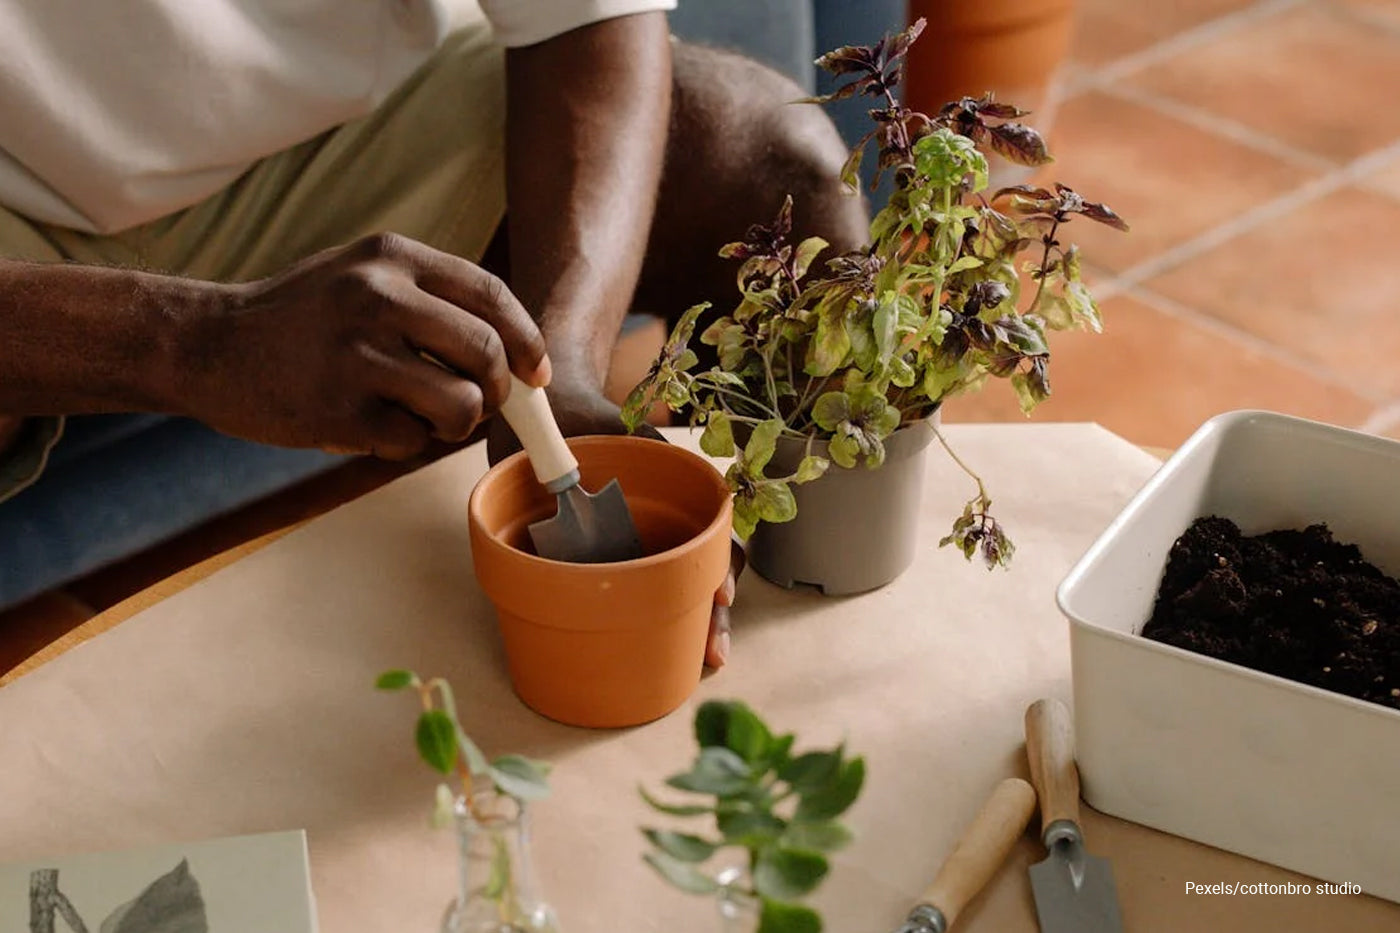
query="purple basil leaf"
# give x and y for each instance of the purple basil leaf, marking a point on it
(841, 93)
(1001, 111)
(1104, 215)
(1028, 191)
(1019, 143)
(847, 59)
(900, 44)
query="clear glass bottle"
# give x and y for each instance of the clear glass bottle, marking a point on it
(497, 888)
(738, 909)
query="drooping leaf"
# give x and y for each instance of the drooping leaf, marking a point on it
(807, 251)
(883, 326)
(774, 502)
(437, 740)
(762, 443)
(520, 777)
(674, 809)
(718, 439)
(1104, 215)
(681, 874)
(717, 770)
(844, 449)
(785, 874)
(829, 348)
(683, 847)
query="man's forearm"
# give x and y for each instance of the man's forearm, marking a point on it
(588, 112)
(77, 339)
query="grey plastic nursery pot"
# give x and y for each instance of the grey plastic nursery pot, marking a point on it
(856, 529)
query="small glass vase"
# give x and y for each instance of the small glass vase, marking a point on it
(497, 888)
(738, 909)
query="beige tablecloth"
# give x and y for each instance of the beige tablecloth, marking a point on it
(244, 704)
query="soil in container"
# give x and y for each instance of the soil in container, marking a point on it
(1296, 604)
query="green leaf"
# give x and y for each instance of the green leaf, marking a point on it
(712, 722)
(884, 423)
(829, 347)
(830, 409)
(774, 502)
(807, 250)
(395, 680)
(718, 771)
(746, 734)
(963, 264)
(785, 874)
(819, 837)
(844, 449)
(674, 809)
(902, 373)
(883, 325)
(681, 874)
(745, 517)
(850, 170)
(811, 467)
(748, 827)
(778, 917)
(437, 740)
(718, 439)
(762, 443)
(835, 798)
(864, 352)
(520, 777)
(681, 846)
(812, 770)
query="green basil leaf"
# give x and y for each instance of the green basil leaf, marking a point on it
(437, 740)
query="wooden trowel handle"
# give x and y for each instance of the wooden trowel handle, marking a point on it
(982, 848)
(530, 417)
(1050, 748)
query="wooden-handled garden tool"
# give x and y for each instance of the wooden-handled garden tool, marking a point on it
(1074, 891)
(589, 528)
(978, 854)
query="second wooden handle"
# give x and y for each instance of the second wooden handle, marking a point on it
(982, 848)
(1050, 748)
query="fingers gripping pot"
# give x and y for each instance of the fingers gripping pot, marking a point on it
(606, 644)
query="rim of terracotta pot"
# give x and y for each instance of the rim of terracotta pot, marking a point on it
(492, 536)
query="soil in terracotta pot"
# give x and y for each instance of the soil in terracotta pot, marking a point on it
(1297, 604)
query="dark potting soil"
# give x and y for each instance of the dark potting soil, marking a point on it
(1297, 604)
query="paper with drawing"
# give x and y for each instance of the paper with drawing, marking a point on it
(231, 885)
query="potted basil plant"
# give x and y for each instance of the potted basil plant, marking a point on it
(829, 367)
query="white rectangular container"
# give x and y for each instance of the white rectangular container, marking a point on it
(1252, 763)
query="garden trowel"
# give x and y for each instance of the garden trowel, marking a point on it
(589, 528)
(1074, 891)
(977, 856)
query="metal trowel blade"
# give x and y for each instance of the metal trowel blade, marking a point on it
(594, 528)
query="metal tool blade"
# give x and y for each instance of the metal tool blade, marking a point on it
(592, 528)
(1075, 891)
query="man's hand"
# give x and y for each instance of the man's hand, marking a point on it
(342, 351)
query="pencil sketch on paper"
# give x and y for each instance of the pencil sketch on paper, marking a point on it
(170, 904)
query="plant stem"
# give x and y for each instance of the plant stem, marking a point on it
(1049, 240)
(981, 489)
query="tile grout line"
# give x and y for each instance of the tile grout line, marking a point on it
(1189, 39)
(1218, 126)
(1173, 308)
(1243, 223)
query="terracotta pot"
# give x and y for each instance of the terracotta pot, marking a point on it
(1013, 48)
(606, 645)
(856, 529)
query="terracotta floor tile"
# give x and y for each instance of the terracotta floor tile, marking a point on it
(1384, 13)
(1108, 29)
(1153, 378)
(1312, 77)
(1168, 179)
(1322, 281)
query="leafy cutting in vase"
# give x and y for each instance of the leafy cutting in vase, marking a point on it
(772, 816)
(497, 884)
(851, 348)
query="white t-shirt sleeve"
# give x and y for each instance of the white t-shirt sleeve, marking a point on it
(526, 22)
